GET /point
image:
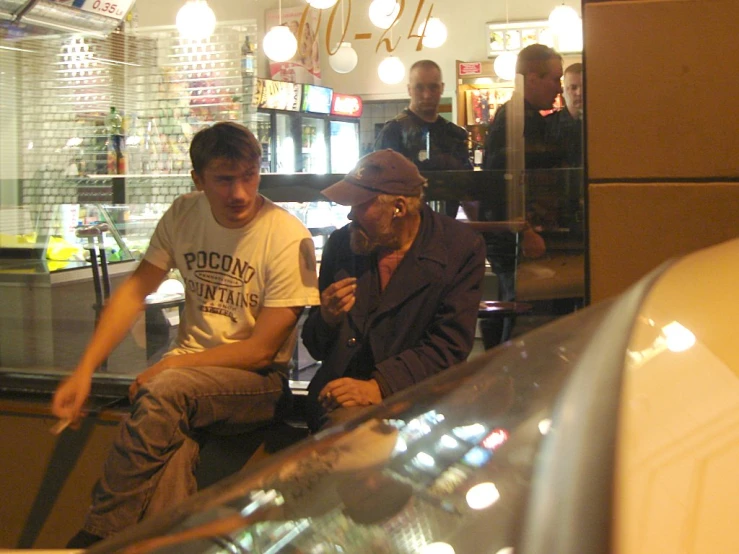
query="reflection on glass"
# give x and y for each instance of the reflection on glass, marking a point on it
(545, 425)
(313, 146)
(482, 496)
(677, 337)
(285, 145)
(437, 548)
(344, 146)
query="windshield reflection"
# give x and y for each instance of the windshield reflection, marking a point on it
(449, 462)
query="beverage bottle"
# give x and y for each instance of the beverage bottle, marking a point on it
(248, 58)
(248, 77)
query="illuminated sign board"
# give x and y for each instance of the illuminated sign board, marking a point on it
(469, 68)
(316, 99)
(346, 105)
(278, 95)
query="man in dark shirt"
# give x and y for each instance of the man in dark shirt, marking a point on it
(565, 130)
(541, 67)
(564, 127)
(420, 133)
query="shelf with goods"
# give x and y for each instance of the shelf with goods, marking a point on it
(180, 87)
(165, 90)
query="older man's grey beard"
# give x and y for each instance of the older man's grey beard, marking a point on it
(362, 245)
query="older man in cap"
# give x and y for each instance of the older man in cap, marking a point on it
(400, 291)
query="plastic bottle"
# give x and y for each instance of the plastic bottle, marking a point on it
(248, 58)
(248, 77)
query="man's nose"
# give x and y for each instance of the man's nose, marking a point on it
(350, 217)
(239, 189)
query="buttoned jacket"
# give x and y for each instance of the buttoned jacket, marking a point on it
(422, 323)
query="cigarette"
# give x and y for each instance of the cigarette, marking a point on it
(60, 426)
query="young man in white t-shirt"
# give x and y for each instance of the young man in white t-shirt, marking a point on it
(249, 270)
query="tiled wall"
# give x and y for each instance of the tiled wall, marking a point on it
(376, 113)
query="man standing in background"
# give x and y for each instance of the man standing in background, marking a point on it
(541, 67)
(564, 127)
(421, 134)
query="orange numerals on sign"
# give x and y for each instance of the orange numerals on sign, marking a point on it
(383, 38)
(411, 34)
(330, 27)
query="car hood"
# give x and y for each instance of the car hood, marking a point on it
(516, 448)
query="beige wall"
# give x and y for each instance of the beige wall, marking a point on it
(661, 133)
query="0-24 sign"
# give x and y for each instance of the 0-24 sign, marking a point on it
(383, 40)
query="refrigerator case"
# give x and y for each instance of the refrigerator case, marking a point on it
(346, 109)
(344, 144)
(297, 132)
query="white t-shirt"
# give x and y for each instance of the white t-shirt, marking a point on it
(230, 274)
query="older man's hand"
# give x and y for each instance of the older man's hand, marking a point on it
(347, 392)
(338, 299)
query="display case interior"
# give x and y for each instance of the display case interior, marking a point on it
(51, 235)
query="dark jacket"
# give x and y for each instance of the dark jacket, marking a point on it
(540, 154)
(565, 133)
(407, 133)
(424, 321)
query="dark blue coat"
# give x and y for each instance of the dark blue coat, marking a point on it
(424, 321)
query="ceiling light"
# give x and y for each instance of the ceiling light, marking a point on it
(434, 34)
(345, 59)
(322, 4)
(505, 66)
(280, 44)
(562, 18)
(382, 13)
(195, 20)
(391, 70)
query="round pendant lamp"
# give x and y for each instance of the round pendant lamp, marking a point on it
(563, 18)
(435, 33)
(382, 13)
(195, 20)
(345, 59)
(280, 44)
(505, 66)
(322, 4)
(391, 70)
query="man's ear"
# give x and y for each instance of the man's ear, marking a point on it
(197, 180)
(400, 208)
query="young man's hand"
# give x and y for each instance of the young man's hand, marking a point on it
(70, 397)
(347, 392)
(147, 375)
